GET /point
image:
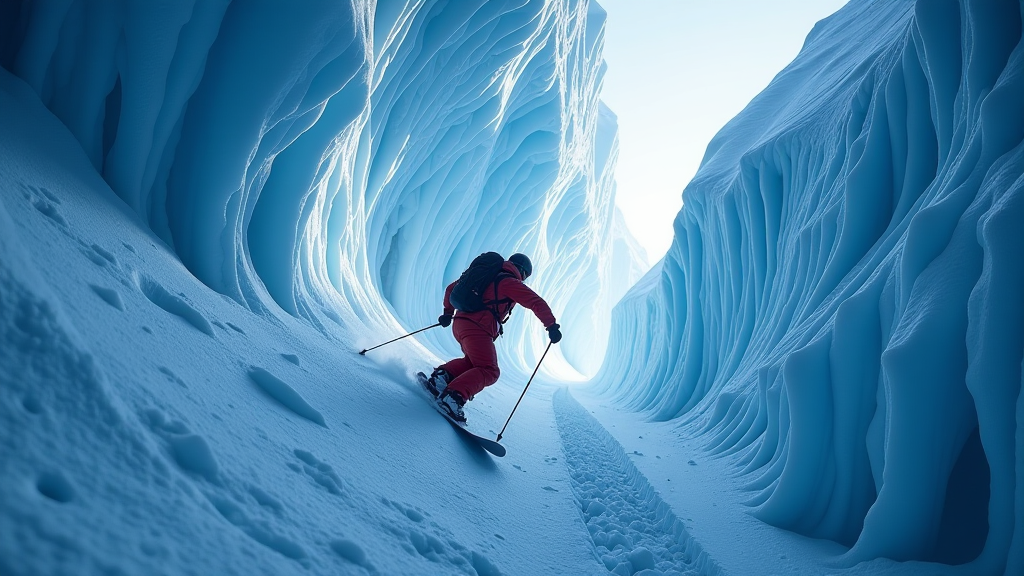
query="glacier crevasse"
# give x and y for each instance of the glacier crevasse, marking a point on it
(840, 311)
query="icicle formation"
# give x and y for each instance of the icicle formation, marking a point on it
(842, 307)
(346, 156)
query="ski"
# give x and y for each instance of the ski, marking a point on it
(485, 443)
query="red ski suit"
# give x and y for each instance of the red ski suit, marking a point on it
(477, 331)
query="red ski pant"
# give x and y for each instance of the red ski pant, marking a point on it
(479, 367)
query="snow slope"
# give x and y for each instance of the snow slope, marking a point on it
(839, 318)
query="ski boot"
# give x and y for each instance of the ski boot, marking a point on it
(452, 402)
(438, 381)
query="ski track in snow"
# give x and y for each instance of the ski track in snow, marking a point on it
(633, 530)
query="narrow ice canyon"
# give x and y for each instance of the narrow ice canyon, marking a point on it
(207, 207)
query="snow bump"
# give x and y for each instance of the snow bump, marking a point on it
(109, 296)
(258, 531)
(193, 455)
(285, 395)
(159, 295)
(189, 451)
(351, 552)
(320, 472)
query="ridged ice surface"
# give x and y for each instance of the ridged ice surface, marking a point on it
(841, 309)
(350, 154)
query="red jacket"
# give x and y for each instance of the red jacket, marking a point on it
(511, 289)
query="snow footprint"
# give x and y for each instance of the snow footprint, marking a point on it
(411, 512)
(258, 531)
(193, 455)
(189, 451)
(429, 540)
(285, 395)
(159, 295)
(266, 500)
(172, 376)
(32, 405)
(56, 487)
(632, 529)
(100, 256)
(46, 203)
(320, 472)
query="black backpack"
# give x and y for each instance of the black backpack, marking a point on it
(468, 294)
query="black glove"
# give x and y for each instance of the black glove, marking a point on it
(445, 320)
(554, 333)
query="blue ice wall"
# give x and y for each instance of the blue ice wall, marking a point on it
(347, 159)
(842, 309)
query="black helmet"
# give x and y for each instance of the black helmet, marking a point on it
(523, 263)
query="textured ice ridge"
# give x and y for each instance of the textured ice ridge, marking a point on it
(841, 308)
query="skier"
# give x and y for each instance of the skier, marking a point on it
(457, 381)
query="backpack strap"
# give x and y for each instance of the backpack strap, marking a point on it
(492, 305)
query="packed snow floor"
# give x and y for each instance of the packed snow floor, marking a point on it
(150, 425)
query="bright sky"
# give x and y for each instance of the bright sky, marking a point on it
(678, 70)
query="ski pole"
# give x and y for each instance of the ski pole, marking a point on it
(524, 391)
(363, 353)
